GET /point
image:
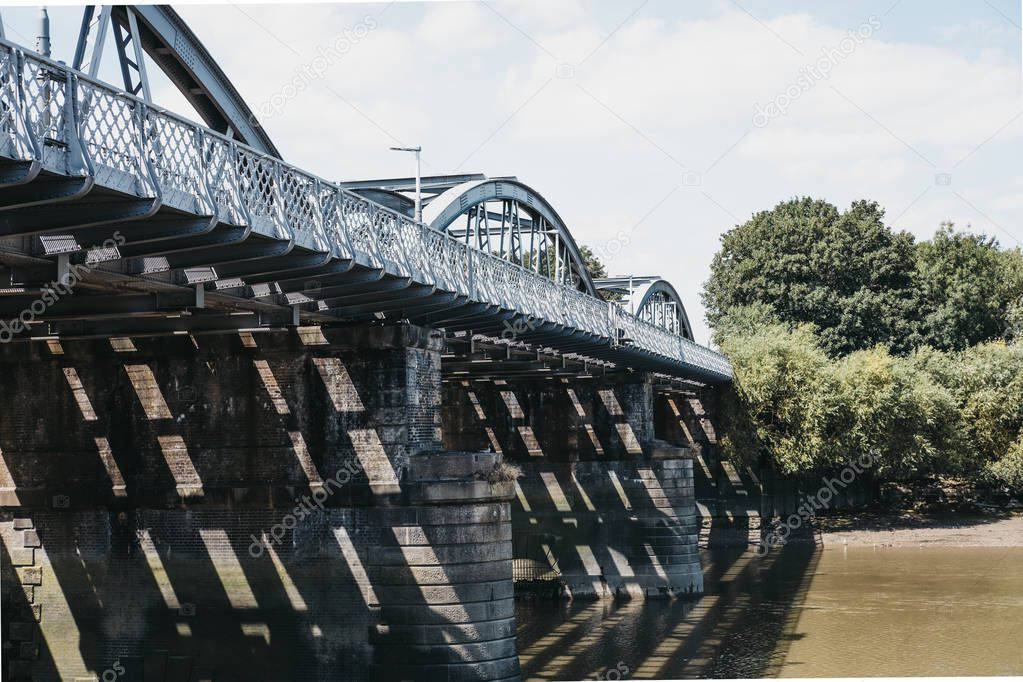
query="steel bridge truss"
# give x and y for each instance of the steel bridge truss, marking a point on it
(651, 299)
(506, 230)
(180, 228)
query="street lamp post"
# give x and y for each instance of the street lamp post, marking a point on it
(419, 194)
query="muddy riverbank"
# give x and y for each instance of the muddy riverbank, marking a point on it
(915, 528)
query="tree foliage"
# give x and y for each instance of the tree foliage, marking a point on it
(592, 263)
(848, 338)
(966, 287)
(931, 412)
(861, 284)
(845, 273)
(783, 404)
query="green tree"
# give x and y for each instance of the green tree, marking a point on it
(966, 287)
(845, 273)
(986, 382)
(597, 271)
(1012, 264)
(1007, 471)
(593, 264)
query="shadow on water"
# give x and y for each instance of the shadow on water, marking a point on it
(742, 627)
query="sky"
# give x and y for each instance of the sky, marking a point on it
(652, 126)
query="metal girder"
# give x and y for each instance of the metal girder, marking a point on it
(94, 211)
(152, 231)
(160, 32)
(76, 306)
(138, 327)
(235, 251)
(439, 302)
(324, 278)
(349, 307)
(353, 291)
(277, 265)
(297, 279)
(221, 235)
(45, 189)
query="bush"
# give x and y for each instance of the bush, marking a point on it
(502, 472)
(784, 400)
(932, 413)
(1008, 471)
(896, 412)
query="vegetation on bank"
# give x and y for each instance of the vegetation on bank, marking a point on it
(847, 337)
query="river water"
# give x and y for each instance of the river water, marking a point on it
(837, 612)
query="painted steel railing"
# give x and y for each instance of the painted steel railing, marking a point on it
(73, 125)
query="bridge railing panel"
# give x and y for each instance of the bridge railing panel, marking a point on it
(260, 192)
(46, 94)
(111, 130)
(176, 152)
(222, 180)
(17, 141)
(301, 209)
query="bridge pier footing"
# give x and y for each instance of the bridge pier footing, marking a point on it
(444, 579)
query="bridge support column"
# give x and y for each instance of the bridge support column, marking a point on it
(603, 506)
(252, 506)
(443, 576)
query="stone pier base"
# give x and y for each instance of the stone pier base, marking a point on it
(444, 575)
(246, 507)
(612, 529)
(604, 508)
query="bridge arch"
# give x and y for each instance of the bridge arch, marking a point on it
(658, 302)
(511, 219)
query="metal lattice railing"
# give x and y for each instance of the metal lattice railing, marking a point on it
(75, 125)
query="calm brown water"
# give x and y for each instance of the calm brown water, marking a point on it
(838, 612)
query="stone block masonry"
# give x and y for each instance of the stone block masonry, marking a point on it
(270, 506)
(604, 508)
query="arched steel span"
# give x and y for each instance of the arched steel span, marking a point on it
(503, 216)
(187, 230)
(658, 302)
(651, 299)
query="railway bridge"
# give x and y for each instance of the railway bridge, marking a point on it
(256, 424)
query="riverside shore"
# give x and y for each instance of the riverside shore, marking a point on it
(913, 528)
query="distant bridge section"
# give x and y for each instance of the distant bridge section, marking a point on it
(652, 300)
